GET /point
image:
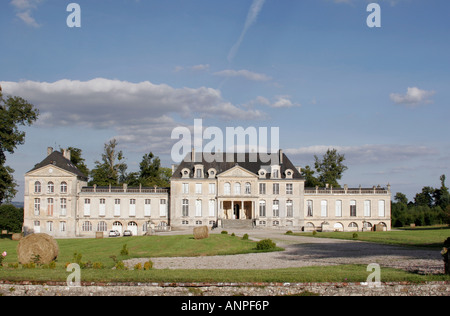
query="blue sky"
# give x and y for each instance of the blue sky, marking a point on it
(136, 69)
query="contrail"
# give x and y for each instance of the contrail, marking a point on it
(255, 9)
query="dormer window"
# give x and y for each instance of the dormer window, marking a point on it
(275, 174)
(212, 173)
(262, 174)
(185, 173)
(199, 172)
(289, 174)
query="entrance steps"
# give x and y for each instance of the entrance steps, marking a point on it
(237, 223)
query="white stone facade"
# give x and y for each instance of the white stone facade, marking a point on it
(59, 202)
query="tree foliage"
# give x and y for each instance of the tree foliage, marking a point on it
(329, 170)
(11, 218)
(112, 167)
(14, 113)
(430, 207)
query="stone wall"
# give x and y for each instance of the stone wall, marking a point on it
(224, 289)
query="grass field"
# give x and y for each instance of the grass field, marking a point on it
(100, 250)
(431, 237)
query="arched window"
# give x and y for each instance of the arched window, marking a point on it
(87, 226)
(102, 227)
(63, 187)
(37, 187)
(50, 187)
(237, 188)
(248, 188)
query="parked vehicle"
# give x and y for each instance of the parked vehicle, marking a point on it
(114, 233)
(127, 233)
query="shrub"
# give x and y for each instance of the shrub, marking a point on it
(138, 266)
(233, 235)
(245, 237)
(289, 232)
(120, 266)
(355, 236)
(224, 232)
(97, 265)
(314, 233)
(124, 251)
(148, 265)
(265, 244)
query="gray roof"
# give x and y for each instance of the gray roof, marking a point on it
(227, 161)
(57, 159)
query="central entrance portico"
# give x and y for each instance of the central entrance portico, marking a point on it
(236, 209)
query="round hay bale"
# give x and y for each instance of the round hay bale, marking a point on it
(37, 247)
(201, 232)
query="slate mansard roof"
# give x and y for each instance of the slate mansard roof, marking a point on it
(226, 161)
(57, 159)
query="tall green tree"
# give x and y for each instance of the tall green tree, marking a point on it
(112, 167)
(14, 113)
(329, 170)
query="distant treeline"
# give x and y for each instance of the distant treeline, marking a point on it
(430, 207)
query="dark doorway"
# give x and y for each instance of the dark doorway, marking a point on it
(236, 211)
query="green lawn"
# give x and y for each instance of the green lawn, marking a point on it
(100, 250)
(433, 237)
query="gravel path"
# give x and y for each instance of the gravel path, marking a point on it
(307, 251)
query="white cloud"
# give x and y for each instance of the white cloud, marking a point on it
(414, 96)
(252, 16)
(25, 8)
(141, 112)
(249, 75)
(282, 101)
(365, 154)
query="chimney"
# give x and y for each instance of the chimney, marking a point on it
(193, 155)
(281, 156)
(66, 154)
(49, 151)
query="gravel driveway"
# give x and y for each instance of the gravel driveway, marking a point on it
(308, 251)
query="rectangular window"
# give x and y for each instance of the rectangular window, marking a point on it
(262, 208)
(276, 208)
(147, 207)
(87, 207)
(212, 188)
(49, 226)
(132, 209)
(198, 188)
(116, 207)
(50, 207)
(276, 188)
(37, 207)
(381, 208)
(262, 188)
(289, 188)
(324, 208)
(162, 208)
(62, 226)
(212, 208)
(309, 206)
(198, 208)
(185, 208)
(102, 208)
(338, 208)
(63, 205)
(367, 208)
(289, 208)
(353, 208)
(185, 188)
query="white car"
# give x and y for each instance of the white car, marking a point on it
(114, 233)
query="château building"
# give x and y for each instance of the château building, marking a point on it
(234, 190)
